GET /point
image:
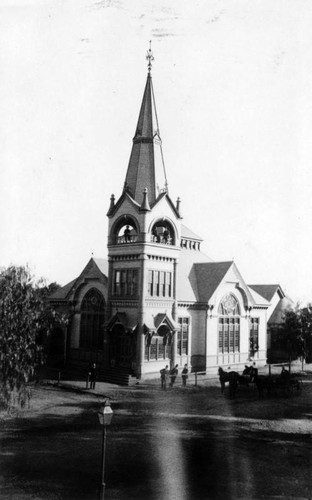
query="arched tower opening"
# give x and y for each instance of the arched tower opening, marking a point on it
(125, 231)
(163, 232)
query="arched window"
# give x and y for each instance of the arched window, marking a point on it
(183, 336)
(163, 232)
(229, 325)
(158, 346)
(92, 321)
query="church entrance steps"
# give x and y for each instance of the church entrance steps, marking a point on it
(116, 375)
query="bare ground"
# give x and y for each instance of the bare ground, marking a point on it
(183, 443)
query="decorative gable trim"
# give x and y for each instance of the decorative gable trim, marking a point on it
(162, 195)
(125, 195)
(120, 318)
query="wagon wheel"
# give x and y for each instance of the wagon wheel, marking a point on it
(289, 389)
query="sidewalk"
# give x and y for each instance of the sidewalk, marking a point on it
(102, 389)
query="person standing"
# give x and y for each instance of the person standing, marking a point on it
(93, 375)
(166, 235)
(173, 375)
(184, 375)
(164, 377)
(88, 375)
(127, 234)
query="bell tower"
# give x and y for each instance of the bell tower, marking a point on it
(144, 234)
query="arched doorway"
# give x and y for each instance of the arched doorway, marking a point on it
(122, 347)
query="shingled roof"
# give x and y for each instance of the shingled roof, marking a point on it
(209, 277)
(142, 167)
(198, 277)
(267, 291)
(96, 268)
(187, 233)
(186, 280)
(278, 313)
(62, 292)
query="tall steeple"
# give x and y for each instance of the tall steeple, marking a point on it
(146, 169)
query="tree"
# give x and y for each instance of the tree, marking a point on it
(24, 315)
(296, 332)
(290, 333)
(306, 332)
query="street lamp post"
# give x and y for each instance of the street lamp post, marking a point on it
(105, 418)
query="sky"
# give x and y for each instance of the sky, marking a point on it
(233, 91)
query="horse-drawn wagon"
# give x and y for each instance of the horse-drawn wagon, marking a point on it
(285, 383)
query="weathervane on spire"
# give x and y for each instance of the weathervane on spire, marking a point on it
(150, 57)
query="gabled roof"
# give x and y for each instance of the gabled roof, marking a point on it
(259, 299)
(198, 277)
(198, 281)
(187, 233)
(186, 288)
(282, 306)
(95, 269)
(165, 195)
(102, 265)
(62, 292)
(267, 291)
(165, 319)
(121, 318)
(209, 277)
(125, 195)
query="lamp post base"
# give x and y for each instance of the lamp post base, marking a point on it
(102, 491)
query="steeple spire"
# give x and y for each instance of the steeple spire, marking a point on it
(146, 167)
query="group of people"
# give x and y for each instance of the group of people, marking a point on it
(250, 372)
(171, 375)
(166, 376)
(161, 238)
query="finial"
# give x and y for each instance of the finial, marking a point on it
(145, 207)
(149, 57)
(112, 205)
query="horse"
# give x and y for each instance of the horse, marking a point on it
(231, 377)
(263, 383)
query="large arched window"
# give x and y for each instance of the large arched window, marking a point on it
(92, 321)
(159, 345)
(229, 325)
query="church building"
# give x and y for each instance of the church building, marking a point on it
(157, 299)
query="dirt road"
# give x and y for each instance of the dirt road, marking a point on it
(184, 444)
